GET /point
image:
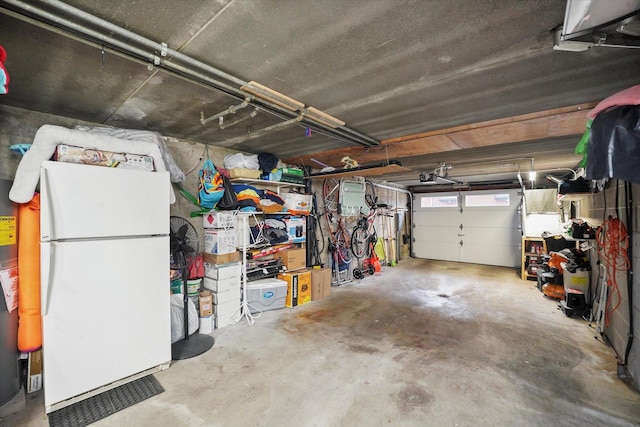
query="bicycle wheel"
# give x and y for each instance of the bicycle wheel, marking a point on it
(370, 195)
(343, 246)
(331, 193)
(359, 242)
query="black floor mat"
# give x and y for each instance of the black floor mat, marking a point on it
(98, 407)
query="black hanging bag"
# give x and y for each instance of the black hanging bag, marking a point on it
(229, 201)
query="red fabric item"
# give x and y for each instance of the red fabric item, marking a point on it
(629, 96)
(196, 268)
(3, 58)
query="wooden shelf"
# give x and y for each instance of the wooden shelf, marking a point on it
(373, 170)
(265, 182)
(527, 255)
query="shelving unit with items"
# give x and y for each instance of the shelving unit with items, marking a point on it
(533, 248)
(273, 246)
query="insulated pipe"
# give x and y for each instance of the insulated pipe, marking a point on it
(173, 68)
(112, 28)
(125, 47)
(239, 119)
(351, 135)
(261, 132)
(229, 110)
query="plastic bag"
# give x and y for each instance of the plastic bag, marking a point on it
(613, 150)
(240, 160)
(177, 317)
(196, 268)
(229, 200)
(210, 189)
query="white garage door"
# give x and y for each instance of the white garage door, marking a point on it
(481, 227)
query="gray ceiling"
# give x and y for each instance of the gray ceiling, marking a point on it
(388, 68)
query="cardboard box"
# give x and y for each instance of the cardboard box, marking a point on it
(89, 156)
(296, 229)
(226, 314)
(218, 219)
(221, 285)
(298, 287)
(223, 297)
(320, 283)
(216, 259)
(294, 259)
(219, 242)
(224, 271)
(227, 309)
(34, 371)
(224, 320)
(206, 304)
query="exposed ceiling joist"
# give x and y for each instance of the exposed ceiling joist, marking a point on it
(559, 122)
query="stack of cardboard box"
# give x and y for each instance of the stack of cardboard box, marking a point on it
(304, 285)
(224, 283)
(219, 233)
(205, 306)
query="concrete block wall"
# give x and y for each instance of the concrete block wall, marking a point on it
(394, 199)
(19, 126)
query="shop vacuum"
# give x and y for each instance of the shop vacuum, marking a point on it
(574, 303)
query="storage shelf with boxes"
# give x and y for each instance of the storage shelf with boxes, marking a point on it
(280, 278)
(222, 267)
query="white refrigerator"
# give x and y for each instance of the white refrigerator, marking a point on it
(104, 278)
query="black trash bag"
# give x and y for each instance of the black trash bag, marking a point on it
(229, 201)
(614, 146)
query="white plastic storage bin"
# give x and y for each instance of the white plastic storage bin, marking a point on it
(218, 220)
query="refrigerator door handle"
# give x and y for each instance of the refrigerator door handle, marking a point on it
(46, 220)
(46, 272)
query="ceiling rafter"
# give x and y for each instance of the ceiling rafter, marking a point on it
(558, 122)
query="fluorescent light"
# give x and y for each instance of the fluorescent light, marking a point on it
(532, 176)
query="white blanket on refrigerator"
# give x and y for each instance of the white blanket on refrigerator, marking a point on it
(48, 137)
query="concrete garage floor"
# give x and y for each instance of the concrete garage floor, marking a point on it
(423, 344)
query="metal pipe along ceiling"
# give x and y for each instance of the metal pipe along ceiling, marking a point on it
(139, 47)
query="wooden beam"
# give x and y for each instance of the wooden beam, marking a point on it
(566, 121)
(375, 170)
(586, 107)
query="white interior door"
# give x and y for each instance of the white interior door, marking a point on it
(481, 227)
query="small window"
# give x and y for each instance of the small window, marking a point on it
(479, 200)
(439, 202)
